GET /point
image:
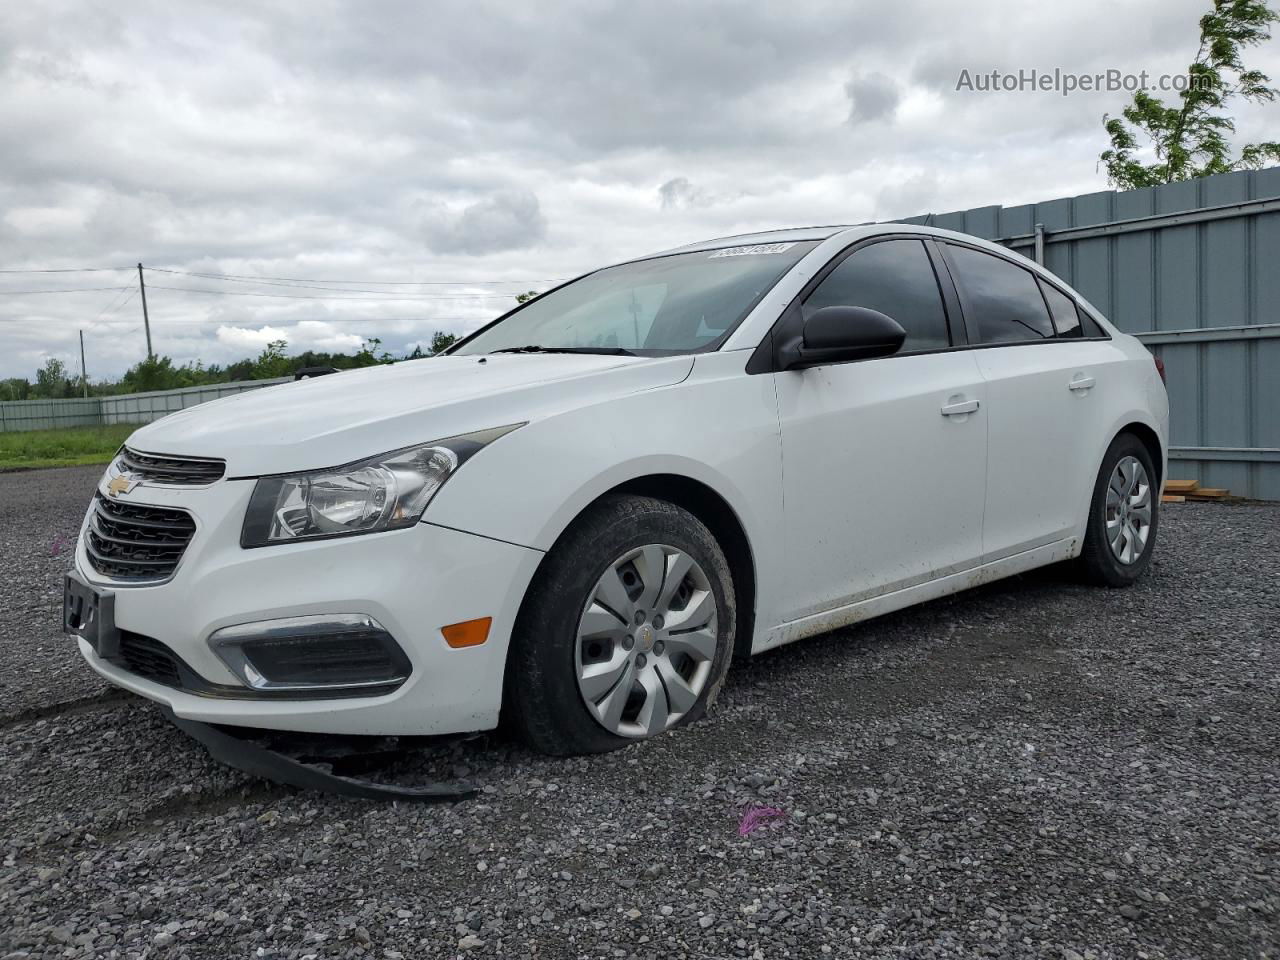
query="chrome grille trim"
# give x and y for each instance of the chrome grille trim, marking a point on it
(169, 470)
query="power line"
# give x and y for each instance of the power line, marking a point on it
(115, 304)
(27, 293)
(73, 270)
(400, 297)
(335, 321)
(424, 283)
(316, 286)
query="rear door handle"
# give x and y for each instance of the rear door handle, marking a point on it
(1081, 382)
(959, 407)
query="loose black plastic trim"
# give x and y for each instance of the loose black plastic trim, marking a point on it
(258, 761)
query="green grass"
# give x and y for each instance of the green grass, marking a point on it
(68, 447)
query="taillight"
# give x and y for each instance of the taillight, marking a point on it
(1160, 369)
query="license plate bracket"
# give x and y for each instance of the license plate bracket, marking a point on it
(90, 615)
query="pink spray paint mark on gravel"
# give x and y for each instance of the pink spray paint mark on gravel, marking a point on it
(757, 817)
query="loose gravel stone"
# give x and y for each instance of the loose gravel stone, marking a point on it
(1032, 769)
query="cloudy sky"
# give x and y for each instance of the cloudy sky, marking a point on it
(480, 149)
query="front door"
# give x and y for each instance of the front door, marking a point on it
(884, 460)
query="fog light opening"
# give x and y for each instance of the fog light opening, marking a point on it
(322, 653)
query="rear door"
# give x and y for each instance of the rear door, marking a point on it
(884, 460)
(1046, 384)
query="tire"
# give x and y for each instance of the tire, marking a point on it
(556, 644)
(1100, 562)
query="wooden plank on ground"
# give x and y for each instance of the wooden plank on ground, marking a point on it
(1180, 486)
(1208, 493)
(1173, 498)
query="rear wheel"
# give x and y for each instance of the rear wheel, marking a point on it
(1124, 515)
(627, 631)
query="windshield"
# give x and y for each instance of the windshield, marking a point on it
(677, 304)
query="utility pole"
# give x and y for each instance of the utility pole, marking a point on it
(146, 321)
(84, 377)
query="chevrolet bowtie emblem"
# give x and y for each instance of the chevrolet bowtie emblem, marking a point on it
(120, 484)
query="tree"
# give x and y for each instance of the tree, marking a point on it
(15, 388)
(1189, 139)
(442, 341)
(51, 380)
(273, 362)
(159, 373)
(526, 296)
(368, 355)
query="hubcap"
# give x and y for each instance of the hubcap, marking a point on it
(1128, 510)
(646, 640)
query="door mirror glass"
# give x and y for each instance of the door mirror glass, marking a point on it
(840, 334)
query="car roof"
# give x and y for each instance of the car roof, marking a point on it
(781, 235)
(846, 232)
(791, 234)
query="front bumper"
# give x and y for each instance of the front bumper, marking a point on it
(413, 581)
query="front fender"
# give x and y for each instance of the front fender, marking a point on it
(719, 427)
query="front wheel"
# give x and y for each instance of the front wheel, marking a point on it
(627, 631)
(1124, 515)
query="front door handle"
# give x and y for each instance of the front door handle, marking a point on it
(1081, 382)
(956, 407)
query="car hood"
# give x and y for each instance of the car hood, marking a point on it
(336, 419)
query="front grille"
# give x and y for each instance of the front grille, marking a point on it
(149, 659)
(129, 541)
(183, 471)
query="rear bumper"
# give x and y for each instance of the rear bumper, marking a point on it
(412, 581)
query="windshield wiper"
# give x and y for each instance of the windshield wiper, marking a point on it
(535, 348)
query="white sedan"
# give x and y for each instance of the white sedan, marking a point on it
(580, 515)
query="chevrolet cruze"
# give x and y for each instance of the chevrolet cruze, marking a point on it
(579, 516)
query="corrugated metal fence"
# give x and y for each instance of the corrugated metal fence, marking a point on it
(125, 408)
(1193, 270)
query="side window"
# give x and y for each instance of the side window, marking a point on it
(998, 297)
(1065, 315)
(896, 278)
(1090, 325)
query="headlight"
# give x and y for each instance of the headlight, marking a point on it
(382, 493)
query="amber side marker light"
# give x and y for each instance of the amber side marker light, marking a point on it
(469, 633)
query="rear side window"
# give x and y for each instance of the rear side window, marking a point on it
(1001, 299)
(1066, 318)
(1070, 318)
(896, 278)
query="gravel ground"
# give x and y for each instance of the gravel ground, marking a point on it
(1032, 769)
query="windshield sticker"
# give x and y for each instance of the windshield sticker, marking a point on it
(751, 250)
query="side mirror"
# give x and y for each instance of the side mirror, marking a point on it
(840, 334)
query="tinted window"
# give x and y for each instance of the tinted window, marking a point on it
(1090, 325)
(1065, 316)
(1002, 300)
(896, 278)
